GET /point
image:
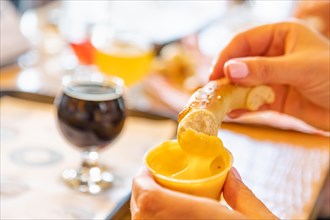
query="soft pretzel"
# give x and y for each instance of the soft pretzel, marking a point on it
(208, 106)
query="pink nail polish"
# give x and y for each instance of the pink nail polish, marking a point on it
(235, 173)
(237, 69)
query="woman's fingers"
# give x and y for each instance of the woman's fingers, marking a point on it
(289, 100)
(241, 198)
(253, 71)
(288, 41)
(300, 82)
(315, 13)
(267, 40)
(300, 70)
(151, 201)
(298, 106)
(142, 183)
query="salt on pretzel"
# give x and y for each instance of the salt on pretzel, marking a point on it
(208, 106)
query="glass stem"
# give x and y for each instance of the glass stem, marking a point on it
(89, 159)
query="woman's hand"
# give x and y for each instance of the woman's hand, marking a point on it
(291, 58)
(315, 13)
(152, 201)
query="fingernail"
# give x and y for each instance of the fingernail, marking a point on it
(237, 69)
(142, 169)
(236, 174)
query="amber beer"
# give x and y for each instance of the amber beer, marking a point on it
(128, 61)
(91, 115)
(123, 53)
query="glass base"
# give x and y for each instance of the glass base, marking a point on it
(91, 180)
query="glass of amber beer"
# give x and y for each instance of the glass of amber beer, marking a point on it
(125, 53)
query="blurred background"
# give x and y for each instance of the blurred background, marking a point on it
(153, 45)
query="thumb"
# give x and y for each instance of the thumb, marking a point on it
(241, 198)
(265, 70)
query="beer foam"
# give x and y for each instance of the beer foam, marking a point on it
(94, 92)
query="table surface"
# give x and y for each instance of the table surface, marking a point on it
(34, 154)
(285, 169)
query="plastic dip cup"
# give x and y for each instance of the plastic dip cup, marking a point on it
(168, 158)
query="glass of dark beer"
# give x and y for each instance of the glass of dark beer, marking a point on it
(90, 115)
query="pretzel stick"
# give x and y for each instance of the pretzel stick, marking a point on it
(208, 106)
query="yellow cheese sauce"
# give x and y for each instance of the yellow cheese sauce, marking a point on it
(203, 153)
(198, 164)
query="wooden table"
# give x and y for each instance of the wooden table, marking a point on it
(285, 169)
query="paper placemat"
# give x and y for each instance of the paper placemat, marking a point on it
(34, 154)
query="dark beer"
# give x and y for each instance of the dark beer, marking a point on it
(91, 115)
